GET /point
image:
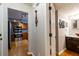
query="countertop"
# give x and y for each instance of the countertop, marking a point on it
(72, 36)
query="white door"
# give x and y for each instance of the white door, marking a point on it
(0, 30)
(53, 31)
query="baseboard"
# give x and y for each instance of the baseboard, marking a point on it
(31, 53)
(62, 51)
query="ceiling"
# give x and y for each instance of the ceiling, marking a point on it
(64, 5)
(30, 4)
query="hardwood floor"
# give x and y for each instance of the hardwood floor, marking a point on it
(19, 48)
(69, 53)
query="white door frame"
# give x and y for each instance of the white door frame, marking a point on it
(54, 31)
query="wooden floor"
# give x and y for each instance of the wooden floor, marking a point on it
(69, 53)
(19, 48)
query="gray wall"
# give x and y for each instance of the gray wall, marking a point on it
(39, 34)
(1, 29)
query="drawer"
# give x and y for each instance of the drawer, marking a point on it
(73, 47)
(72, 40)
(76, 49)
(75, 42)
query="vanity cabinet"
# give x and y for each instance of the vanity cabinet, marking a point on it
(72, 43)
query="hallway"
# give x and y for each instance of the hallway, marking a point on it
(49, 31)
(19, 48)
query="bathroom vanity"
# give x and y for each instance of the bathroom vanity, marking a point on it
(72, 43)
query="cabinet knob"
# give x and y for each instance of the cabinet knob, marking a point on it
(77, 46)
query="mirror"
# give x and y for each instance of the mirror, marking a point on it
(74, 24)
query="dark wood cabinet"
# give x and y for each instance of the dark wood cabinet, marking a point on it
(72, 43)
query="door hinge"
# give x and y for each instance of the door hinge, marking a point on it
(50, 8)
(50, 34)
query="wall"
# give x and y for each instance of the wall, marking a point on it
(18, 6)
(39, 34)
(65, 12)
(0, 29)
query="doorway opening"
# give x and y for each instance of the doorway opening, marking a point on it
(17, 33)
